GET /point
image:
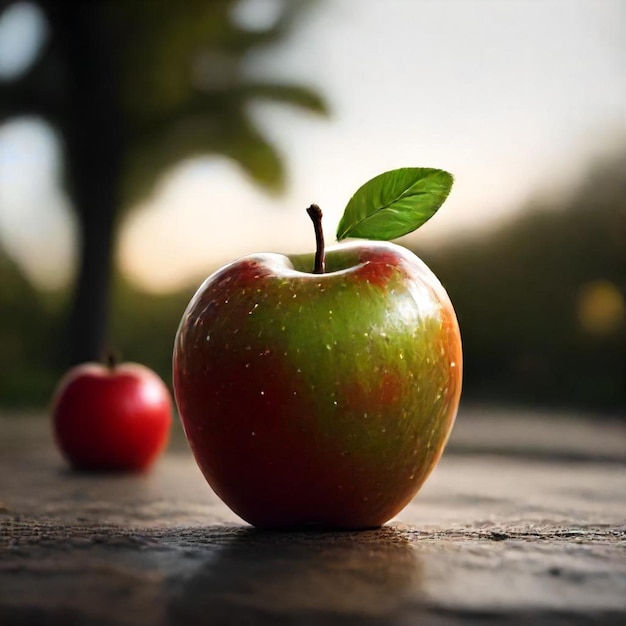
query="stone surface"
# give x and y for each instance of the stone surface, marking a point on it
(523, 522)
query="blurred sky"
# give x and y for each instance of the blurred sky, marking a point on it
(514, 97)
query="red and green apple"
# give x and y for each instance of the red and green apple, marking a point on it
(321, 389)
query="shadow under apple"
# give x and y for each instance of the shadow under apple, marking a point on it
(308, 577)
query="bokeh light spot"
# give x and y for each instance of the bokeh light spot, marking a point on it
(601, 307)
(22, 31)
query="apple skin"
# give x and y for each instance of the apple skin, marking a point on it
(319, 399)
(111, 418)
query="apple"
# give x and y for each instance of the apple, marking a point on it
(113, 417)
(319, 389)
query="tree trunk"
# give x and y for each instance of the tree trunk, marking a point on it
(93, 131)
(95, 193)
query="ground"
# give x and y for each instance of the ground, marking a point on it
(522, 522)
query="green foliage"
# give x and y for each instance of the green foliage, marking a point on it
(186, 93)
(175, 75)
(394, 203)
(30, 326)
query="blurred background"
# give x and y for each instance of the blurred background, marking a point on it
(145, 143)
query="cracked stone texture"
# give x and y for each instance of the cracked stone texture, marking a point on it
(522, 522)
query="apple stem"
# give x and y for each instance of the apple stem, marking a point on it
(315, 213)
(111, 359)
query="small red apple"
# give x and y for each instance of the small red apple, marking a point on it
(111, 418)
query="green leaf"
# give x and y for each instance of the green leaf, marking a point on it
(295, 95)
(257, 156)
(394, 203)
